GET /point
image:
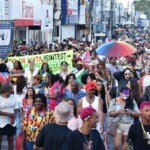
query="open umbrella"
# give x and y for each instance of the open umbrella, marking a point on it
(119, 29)
(115, 49)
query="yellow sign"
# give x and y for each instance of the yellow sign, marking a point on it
(54, 59)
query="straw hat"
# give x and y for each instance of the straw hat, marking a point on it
(63, 112)
(37, 77)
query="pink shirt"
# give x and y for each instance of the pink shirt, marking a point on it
(75, 123)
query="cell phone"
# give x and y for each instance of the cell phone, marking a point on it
(126, 110)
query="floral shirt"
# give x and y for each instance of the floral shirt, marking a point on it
(76, 97)
(33, 122)
(115, 106)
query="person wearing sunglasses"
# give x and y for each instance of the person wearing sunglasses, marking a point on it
(123, 110)
(123, 77)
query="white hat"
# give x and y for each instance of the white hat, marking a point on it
(63, 112)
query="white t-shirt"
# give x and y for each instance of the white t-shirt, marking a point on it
(28, 73)
(146, 81)
(114, 69)
(19, 97)
(7, 105)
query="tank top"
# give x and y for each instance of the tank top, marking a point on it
(94, 105)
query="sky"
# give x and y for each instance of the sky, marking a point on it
(125, 2)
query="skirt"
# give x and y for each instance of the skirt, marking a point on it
(8, 130)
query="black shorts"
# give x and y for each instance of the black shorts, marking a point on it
(8, 130)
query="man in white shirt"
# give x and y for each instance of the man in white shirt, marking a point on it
(8, 110)
(113, 67)
(31, 71)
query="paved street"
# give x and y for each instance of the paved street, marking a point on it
(4, 143)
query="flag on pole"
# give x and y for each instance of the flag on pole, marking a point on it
(86, 57)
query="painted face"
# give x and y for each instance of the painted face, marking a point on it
(125, 94)
(127, 74)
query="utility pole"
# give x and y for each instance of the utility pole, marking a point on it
(102, 5)
(119, 15)
(95, 20)
(111, 15)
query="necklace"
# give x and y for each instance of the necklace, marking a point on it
(90, 101)
(146, 136)
(89, 143)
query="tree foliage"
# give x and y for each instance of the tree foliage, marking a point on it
(143, 6)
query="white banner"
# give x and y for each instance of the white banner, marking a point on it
(2, 9)
(47, 17)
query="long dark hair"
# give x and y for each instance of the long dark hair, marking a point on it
(19, 65)
(53, 79)
(67, 79)
(103, 95)
(102, 92)
(33, 97)
(129, 102)
(75, 107)
(47, 70)
(3, 68)
(20, 84)
(135, 90)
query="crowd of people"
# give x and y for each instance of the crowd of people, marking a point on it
(78, 109)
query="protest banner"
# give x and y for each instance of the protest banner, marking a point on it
(54, 59)
(6, 37)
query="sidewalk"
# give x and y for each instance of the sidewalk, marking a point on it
(5, 144)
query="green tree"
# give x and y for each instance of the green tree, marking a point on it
(143, 6)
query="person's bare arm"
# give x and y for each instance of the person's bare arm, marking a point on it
(116, 113)
(101, 115)
(79, 106)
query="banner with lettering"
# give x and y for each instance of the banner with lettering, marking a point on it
(6, 37)
(54, 59)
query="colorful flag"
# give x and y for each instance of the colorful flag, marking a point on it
(86, 57)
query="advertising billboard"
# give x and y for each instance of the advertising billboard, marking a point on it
(2, 9)
(27, 12)
(70, 11)
(47, 17)
(6, 37)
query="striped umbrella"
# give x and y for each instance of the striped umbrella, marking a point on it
(115, 49)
